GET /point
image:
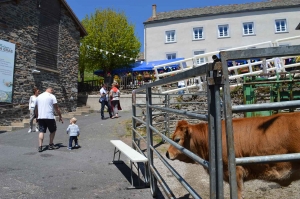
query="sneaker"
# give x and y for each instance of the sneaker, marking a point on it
(40, 149)
(52, 146)
(36, 130)
(77, 146)
(69, 148)
(29, 131)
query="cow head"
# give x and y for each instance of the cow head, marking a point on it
(182, 137)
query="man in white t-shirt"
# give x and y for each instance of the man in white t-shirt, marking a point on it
(278, 65)
(181, 84)
(46, 103)
(104, 101)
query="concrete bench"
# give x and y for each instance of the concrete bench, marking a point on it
(134, 157)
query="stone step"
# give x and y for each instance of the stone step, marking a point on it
(5, 128)
(20, 124)
(26, 121)
(83, 107)
(87, 110)
(77, 113)
(17, 128)
(83, 112)
(10, 128)
(68, 115)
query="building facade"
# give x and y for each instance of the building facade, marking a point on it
(185, 33)
(47, 36)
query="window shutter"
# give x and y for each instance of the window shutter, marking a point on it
(48, 33)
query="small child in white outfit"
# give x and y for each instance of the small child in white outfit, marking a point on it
(73, 131)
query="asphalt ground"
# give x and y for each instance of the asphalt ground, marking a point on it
(61, 173)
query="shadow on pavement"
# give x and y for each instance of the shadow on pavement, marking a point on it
(125, 170)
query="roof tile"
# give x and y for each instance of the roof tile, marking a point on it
(222, 9)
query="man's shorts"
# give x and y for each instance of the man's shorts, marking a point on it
(47, 123)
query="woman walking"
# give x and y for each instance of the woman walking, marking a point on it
(115, 100)
(32, 102)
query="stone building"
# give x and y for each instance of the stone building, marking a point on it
(46, 34)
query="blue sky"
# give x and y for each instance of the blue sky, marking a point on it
(138, 11)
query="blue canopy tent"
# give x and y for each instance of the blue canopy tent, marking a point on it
(119, 70)
(99, 72)
(115, 71)
(146, 66)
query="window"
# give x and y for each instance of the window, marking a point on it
(248, 28)
(171, 56)
(48, 35)
(170, 36)
(223, 31)
(197, 33)
(199, 60)
(280, 25)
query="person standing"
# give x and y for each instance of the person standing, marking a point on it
(278, 65)
(73, 131)
(46, 103)
(115, 99)
(32, 101)
(104, 101)
(181, 84)
(215, 58)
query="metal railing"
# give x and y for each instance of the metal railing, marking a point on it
(237, 75)
(217, 78)
(91, 85)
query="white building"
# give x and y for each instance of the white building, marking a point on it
(185, 33)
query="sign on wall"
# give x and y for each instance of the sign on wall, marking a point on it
(7, 64)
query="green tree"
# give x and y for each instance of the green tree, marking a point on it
(110, 31)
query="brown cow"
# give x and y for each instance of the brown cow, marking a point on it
(258, 136)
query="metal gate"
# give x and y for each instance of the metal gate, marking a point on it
(218, 86)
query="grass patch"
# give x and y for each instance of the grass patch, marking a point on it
(128, 124)
(90, 76)
(142, 131)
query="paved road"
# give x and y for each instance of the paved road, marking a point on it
(80, 173)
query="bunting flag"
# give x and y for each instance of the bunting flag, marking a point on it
(106, 52)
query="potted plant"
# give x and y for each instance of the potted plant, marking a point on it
(146, 74)
(117, 79)
(139, 77)
(153, 77)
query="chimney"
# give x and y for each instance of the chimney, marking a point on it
(153, 10)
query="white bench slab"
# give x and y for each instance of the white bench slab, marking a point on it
(134, 157)
(129, 152)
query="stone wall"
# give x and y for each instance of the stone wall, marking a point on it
(19, 25)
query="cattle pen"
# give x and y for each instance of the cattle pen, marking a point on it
(220, 107)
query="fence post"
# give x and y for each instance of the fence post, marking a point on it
(215, 135)
(166, 116)
(227, 107)
(168, 106)
(134, 115)
(153, 181)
